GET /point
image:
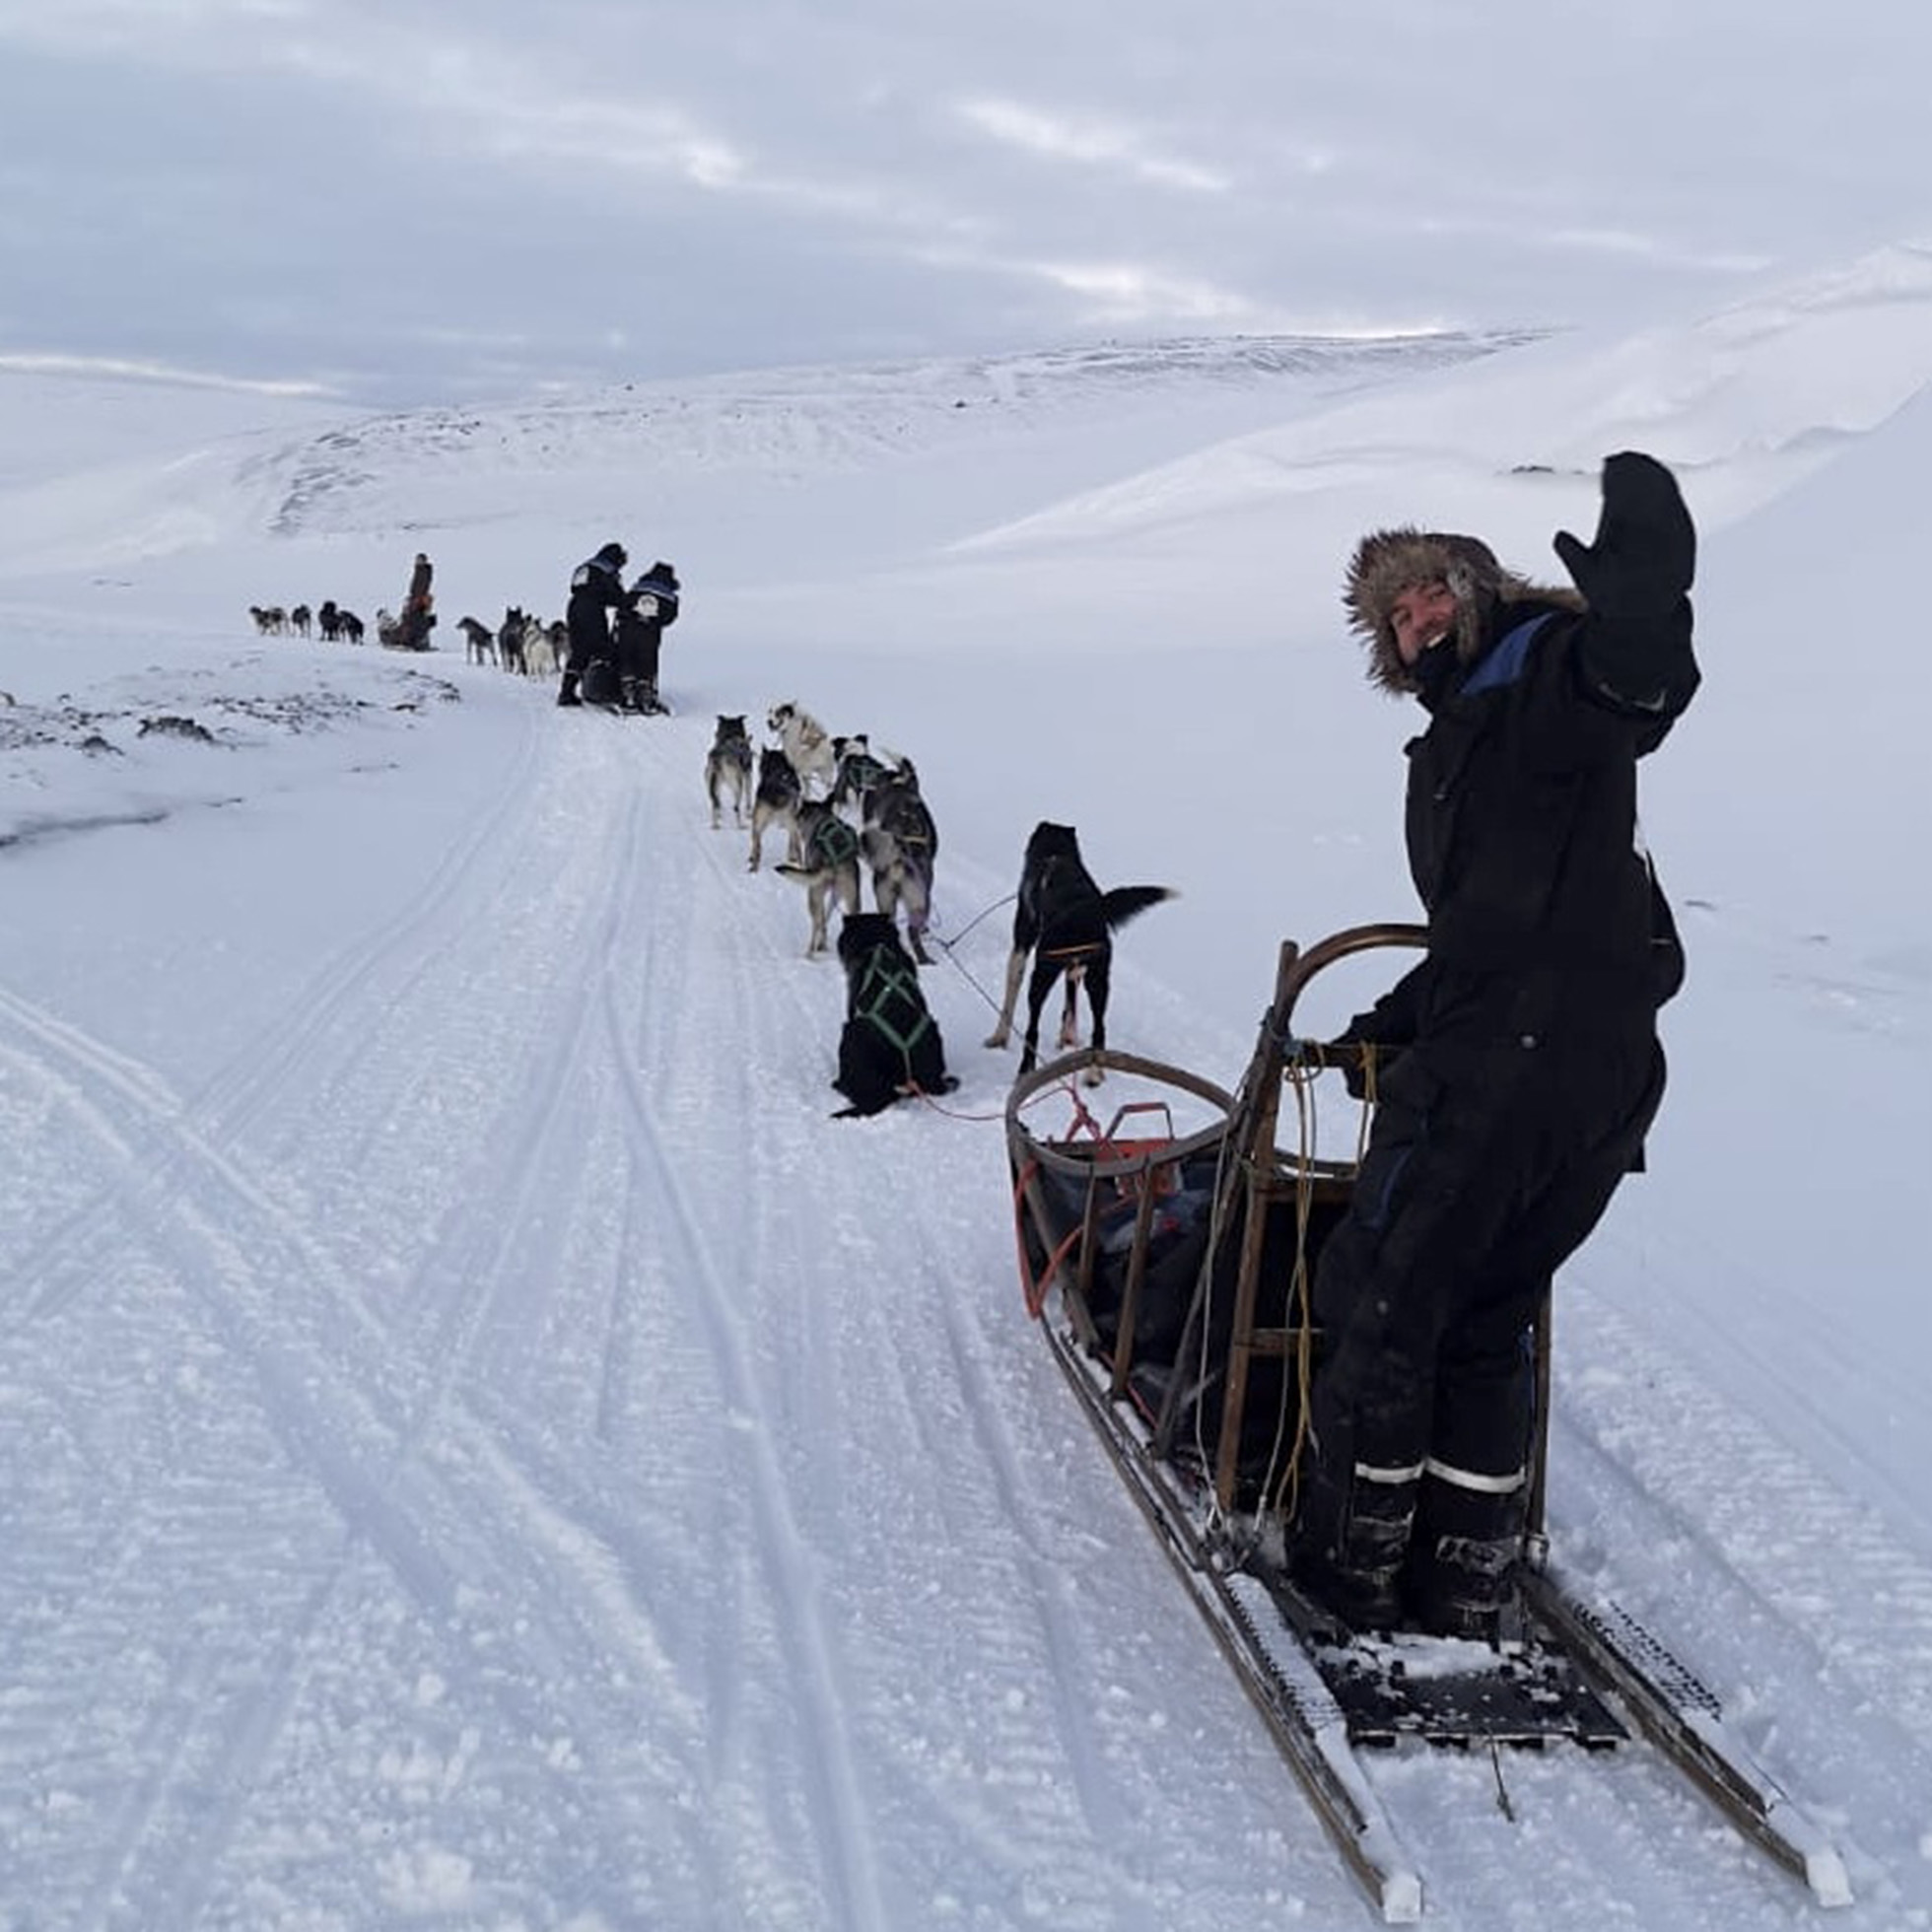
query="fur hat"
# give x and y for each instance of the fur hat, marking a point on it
(1387, 562)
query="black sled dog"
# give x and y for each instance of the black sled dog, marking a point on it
(889, 1046)
(1066, 924)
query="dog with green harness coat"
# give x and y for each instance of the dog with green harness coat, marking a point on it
(827, 867)
(889, 1046)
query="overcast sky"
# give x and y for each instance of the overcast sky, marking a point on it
(406, 201)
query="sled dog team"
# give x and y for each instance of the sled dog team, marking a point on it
(332, 622)
(849, 813)
(521, 643)
(1522, 1071)
(1521, 1065)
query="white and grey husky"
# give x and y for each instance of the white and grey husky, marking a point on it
(807, 744)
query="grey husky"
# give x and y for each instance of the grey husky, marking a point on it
(728, 769)
(826, 866)
(773, 801)
(901, 843)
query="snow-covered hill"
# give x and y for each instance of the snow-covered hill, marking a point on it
(481, 1448)
(907, 451)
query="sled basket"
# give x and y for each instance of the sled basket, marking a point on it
(1115, 1216)
(1183, 1259)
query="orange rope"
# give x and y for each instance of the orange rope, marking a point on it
(1085, 1120)
(917, 1092)
(1036, 1290)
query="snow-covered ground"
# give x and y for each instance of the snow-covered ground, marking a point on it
(481, 1448)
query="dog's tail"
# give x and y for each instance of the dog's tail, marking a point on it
(1126, 902)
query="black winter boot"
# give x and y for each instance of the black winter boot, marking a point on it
(1468, 1549)
(1350, 1543)
(567, 691)
(601, 686)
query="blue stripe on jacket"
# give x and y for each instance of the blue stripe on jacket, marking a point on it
(1509, 660)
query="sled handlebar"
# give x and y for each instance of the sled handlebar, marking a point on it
(1297, 967)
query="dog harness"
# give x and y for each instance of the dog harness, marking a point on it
(890, 982)
(833, 840)
(865, 770)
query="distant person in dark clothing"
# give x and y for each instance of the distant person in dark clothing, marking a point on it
(418, 618)
(1519, 1069)
(641, 627)
(596, 588)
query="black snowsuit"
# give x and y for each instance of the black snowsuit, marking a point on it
(418, 606)
(642, 621)
(596, 587)
(1525, 1075)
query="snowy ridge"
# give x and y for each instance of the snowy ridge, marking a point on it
(827, 420)
(661, 447)
(1748, 399)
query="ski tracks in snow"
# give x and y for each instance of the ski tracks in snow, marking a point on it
(459, 1486)
(1812, 1620)
(365, 1396)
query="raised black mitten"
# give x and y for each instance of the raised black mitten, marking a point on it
(1645, 555)
(1636, 652)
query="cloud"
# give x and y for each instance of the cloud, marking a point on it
(1131, 292)
(1652, 247)
(153, 372)
(353, 191)
(1088, 140)
(143, 28)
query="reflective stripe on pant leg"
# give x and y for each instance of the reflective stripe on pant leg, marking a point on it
(1382, 1473)
(1469, 1478)
(1468, 1539)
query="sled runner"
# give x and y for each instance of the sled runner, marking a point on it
(1169, 1254)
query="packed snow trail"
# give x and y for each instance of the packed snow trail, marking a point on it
(473, 1439)
(490, 1450)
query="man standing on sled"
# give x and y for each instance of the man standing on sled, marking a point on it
(1518, 1067)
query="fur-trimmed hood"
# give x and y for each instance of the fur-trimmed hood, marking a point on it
(1387, 562)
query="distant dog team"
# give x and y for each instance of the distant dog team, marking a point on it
(849, 813)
